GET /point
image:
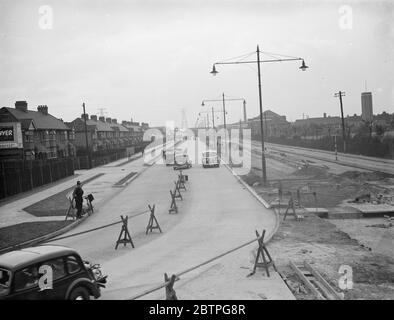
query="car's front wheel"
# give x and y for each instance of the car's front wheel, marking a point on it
(80, 293)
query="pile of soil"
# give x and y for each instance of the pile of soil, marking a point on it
(365, 176)
(314, 172)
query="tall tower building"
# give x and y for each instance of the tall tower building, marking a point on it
(366, 106)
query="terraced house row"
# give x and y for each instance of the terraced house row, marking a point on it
(36, 134)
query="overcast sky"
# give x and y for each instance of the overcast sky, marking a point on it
(151, 59)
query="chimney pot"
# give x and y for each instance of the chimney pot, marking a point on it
(102, 119)
(93, 117)
(21, 105)
(108, 120)
(43, 109)
(114, 121)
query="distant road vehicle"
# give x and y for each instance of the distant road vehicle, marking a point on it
(182, 162)
(170, 157)
(25, 273)
(210, 159)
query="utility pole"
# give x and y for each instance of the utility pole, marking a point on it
(86, 137)
(263, 163)
(336, 148)
(224, 123)
(213, 119)
(245, 119)
(341, 94)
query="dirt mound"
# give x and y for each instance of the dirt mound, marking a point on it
(312, 171)
(251, 178)
(366, 176)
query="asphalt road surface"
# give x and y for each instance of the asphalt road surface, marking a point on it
(216, 214)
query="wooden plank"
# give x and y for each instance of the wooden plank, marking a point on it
(306, 281)
(319, 277)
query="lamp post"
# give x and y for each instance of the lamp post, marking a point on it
(223, 101)
(303, 67)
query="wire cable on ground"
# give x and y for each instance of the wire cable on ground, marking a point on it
(191, 269)
(97, 228)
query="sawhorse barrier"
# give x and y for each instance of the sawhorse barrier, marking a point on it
(177, 191)
(152, 223)
(173, 207)
(169, 285)
(70, 212)
(262, 251)
(124, 236)
(182, 179)
(169, 282)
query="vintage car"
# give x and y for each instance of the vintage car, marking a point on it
(182, 161)
(210, 158)
(48, 272)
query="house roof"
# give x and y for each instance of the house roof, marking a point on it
(93, 124)
(40, 120)
(119, 126)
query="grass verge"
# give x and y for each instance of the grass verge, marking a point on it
(22, 232)
(55, 205)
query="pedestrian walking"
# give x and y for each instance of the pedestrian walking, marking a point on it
(77, 196)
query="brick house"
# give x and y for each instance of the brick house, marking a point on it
(30, 135)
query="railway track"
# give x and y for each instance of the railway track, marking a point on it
(315, 282)
(339, 162)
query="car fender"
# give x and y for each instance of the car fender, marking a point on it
(86, 282)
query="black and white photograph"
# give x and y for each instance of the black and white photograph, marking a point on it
(219, 153)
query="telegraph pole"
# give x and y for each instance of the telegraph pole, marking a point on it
(224, 123)
(341, 94)
(263, 163)
(245, 119)
(86, 137)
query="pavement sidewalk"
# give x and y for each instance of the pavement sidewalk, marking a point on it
(12, 213)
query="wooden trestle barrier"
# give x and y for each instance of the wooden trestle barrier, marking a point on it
(262, 251)
(152, 223)
(124, 236)
(170, 292)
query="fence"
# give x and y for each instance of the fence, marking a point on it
(99, 158)
(18, 176)
(82, 162)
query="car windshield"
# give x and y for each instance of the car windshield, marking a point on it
(209, 154)
(5, 278)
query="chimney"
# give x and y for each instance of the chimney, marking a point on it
(108, 120)
(21, 106)
(43, 109)
(114, 121)
(102, 119)
(93, 117)
(124, 122)
(325, 115)
(83, 116)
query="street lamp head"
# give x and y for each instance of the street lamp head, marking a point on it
(303, 66)
(214, 72)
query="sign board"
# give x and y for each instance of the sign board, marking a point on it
(11, 135)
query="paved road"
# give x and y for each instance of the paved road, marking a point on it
(216, 214)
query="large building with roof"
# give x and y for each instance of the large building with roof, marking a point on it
(29, 134)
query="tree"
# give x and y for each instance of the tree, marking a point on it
(379, 129)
